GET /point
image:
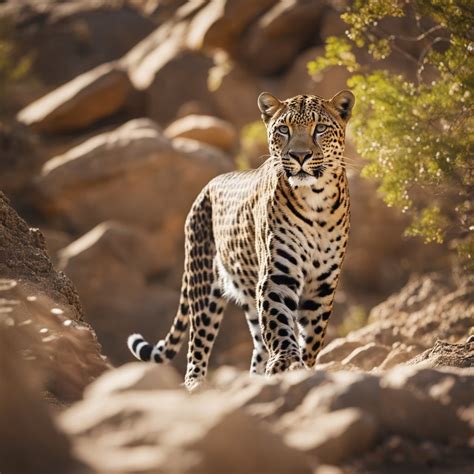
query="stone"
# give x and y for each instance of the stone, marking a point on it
(30, 441)
(176, 432)
(161, 68)
(337, 350)
(206, 129)
(79, 36)
(236, 86)
(85, 186)
(443, 354)
(135, 376)
(222, 23)
(335, 436)
(367, 357)
(89, 97)
(278, 35)
(297, 80)
(42, 314)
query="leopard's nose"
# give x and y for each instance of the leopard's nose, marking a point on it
(300, 155)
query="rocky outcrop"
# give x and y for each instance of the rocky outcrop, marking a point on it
(41, 312)
(86, 185)
(80, 103)
(289, 424)
(206, 129)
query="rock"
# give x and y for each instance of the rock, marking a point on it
(30, 442)
(21, 159)
(297, 80)
(399, 354)
(86, 185)
(236, 86)
(337, 350)
(78, 35)
(277, 36)
(338, 435)
(443, 354)
(42, 314)
(175, 432)
(367, 357)
(222, 22)
(109, 266)
(135, 376)
(206, 129)
(23, 256)
(77, 104)
(161, 67)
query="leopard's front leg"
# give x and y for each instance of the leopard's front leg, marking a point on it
(278, 292)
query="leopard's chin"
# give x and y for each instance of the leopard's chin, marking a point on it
(301, 179)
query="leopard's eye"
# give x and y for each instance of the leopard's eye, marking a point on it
(320, 128)
(283, 129)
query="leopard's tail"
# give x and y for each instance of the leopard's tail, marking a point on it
(164, 350)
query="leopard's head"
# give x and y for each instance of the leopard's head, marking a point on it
(306, 133)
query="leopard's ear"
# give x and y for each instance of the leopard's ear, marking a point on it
(343, 102)
(268, 105)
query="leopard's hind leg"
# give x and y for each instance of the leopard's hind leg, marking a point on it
(206, 303)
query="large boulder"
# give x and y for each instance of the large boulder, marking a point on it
(270, 45)
(297, 80)
(168, 74)
(221, 24)
(128, 174)
(204, 128)
(30, 441)
(110, 266)
(137, 418)
(42, 313)
(78, 35)
(80, 103)
(173, 431)
(235, 93)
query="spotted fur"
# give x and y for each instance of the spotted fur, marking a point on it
(272, 239)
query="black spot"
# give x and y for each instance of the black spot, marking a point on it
(274, 297)
(272, 324)
(210, 337)
(285, 344)
(318, 330)
(285, 280)
(265, 305)
(316, 346)
(145, 352)
(184, 309)
(198, 342)
(206, 320)
(282, 268)
(286, 256)
(282, 318)
(290, 303)
(303, 321)
(282, 332)
(310, 305)
(170, 353)
(202, 332)
(135, 344)
(325, 290)
(198, 355)
(212, 307)
(181, 326)
(326, 315)
(157, 358)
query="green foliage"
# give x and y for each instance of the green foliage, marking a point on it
(415, 125)
(253, 143)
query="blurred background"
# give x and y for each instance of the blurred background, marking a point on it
(113, 116)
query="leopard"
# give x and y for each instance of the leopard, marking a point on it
(272, 240)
